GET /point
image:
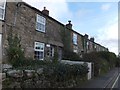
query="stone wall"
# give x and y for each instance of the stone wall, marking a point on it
(37, 78)
(21, 78)
(22, 19)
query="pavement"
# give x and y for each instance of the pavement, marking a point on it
(100, 81)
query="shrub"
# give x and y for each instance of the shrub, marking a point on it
(69, 55)
(63, 72)
(55, 58)
(117, 62)
(14, 50)
(102, 61)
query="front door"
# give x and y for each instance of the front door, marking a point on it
(60, 53)
(50, 52)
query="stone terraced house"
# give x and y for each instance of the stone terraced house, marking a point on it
(41, 35)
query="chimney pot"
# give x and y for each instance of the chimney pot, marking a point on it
(69, 25)
(45, 11)
(44, 8)
(69, 21)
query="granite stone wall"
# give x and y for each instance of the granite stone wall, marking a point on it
(22, 19)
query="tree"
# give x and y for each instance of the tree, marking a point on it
(14, 50)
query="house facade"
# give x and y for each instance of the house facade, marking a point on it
(41, 35)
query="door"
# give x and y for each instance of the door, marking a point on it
(60, 53)
(50, 51)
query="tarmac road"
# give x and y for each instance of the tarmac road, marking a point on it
(101, 81)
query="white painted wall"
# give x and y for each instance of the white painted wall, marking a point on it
(78, 62)
(0, 48)
(90, 71)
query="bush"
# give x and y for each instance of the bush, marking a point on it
(102, 61)
(62, 72)
(69, 55)
(14, 50)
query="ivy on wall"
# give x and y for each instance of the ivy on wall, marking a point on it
(67, 42)
(66, 38)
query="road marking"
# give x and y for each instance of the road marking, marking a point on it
(115, 81)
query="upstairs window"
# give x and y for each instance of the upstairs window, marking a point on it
(2, 9)
(40, 23)
(74, 38)
(39, 51)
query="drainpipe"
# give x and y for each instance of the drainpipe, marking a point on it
(16, 12)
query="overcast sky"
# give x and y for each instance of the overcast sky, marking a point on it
(97, 19)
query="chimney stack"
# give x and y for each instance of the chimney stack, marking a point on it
(86, 36)
(45, 11)
(92, 39)
(69, 25)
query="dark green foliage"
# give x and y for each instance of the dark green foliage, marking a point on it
(66, 38)
(118, 62)
(62, 72)
(69, 55)
(103, 61)
(14, 51)
(54, 75)
(55, 58)
(31, 64)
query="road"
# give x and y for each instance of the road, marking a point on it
(116, 84)
(104, 81)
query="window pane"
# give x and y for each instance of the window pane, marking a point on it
(1, 16)
(2, 3)
(1, 13)
(40, 23)
(39, 50)
(74, 38)
(40, 27)
(41, 55)
(2, 9)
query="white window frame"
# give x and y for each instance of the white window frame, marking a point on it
(87, 45)
(42, 22)
(75, 39)
(0, 46)
(2, 8)
(95, 46)
(40, 48)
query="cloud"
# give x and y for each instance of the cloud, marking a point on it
(108, 35)
(105, 7)
(57, 9)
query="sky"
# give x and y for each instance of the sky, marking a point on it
(97, 19)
